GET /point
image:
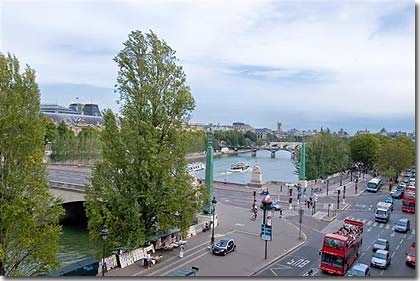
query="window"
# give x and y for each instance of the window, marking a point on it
(372, 185)
(334, 243)
(381, 212)
(332, 260)
(408, 204)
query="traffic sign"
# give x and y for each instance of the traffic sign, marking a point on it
(266, 232)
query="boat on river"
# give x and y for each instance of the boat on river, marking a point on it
(196, 166)
(239, 167)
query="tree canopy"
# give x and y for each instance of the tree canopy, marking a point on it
(29, 229)
(364, 148)
(141, 186)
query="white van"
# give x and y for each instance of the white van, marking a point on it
(383, 212)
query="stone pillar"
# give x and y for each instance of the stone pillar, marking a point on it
(208, 209)
(256, 176)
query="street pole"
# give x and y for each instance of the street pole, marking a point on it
(344, 195)
(300, 222)
(104, 235)
(255, 200)
(338, 199)
(212, 230)
(355, 185)
(328, 209)
(341, 179)
(264, 222)
(328, 182)
(351, 175)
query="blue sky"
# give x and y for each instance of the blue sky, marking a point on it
(307, 64)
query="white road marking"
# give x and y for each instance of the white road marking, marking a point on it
(401, 241)
(392, 234)
(387, 226)
(369, 229)
(364, 221)
(381, 225)
(396, 249)
(239, 224)
(375, 224)
(413, 232)
(275, 274)
(369, 223)
(405, 235)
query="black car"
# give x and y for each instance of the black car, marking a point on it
(274, 206)
(224, 246)
(398, 194)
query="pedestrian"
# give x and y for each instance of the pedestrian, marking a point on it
(281, 188)
(181, 251)
(149, 259)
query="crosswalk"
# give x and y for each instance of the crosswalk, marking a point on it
(370, 224)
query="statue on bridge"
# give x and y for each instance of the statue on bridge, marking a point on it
(256, 175)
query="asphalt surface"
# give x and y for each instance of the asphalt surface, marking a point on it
(299, 262)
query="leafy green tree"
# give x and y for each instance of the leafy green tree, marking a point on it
(29, 229)
(325, 154)
(251, 136)
(395, 156)
(50, 131)
(364, 148)
(141, 187)
(88, 144)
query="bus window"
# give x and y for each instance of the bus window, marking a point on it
(334, 243)
(332, 260)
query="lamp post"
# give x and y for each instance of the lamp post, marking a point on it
(104, 235)
(213, 204)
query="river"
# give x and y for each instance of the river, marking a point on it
(74, 241)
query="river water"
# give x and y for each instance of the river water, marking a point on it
(280, 168)
(74, 241)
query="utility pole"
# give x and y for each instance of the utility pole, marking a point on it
(338, 199)
(255, 200)
(300, 222)
(344, 195)
(328, 182)
(209, 172)
(355, 185)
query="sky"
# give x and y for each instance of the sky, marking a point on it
(307, 64)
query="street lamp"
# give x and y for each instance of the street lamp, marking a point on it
(213, 204)
(104, 235)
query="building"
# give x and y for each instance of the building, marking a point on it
(261, 133)
(242, 127)
(279, 128)
(76, 117)
(361, 132)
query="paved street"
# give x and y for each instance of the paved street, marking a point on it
(306, 257)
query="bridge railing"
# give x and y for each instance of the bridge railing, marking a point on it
(67, 186)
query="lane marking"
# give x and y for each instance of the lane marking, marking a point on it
(387, 226)
(381, 225)
(396, 249)
(413, 232)
(392, 234)
(369, 229)
(375, 224)
(364, 221)
(369, 223)
(272, 271)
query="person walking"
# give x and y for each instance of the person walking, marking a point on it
(181, 251)
(149, 259)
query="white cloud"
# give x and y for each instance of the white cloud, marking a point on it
(74, 42)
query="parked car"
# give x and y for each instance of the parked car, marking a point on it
(359, 269)
(410, 258)
(403, 225)
(406, 179)
(398, 194)
(380, 244)
(401, 186)
(389, 200)
(381, 259)
(224, 246)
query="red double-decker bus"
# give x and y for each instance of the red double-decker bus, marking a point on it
(409, 201)
(340, 249)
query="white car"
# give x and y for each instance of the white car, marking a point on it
(381, 259)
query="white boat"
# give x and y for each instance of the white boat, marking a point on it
(196, 166)
(239, 167)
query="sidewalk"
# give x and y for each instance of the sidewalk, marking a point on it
(244, 261)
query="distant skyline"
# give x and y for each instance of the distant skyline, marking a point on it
(308, 64)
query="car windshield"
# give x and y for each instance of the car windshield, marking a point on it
(222, 243)
(381, 212)
(381, 242)
(356, 272)
(379, 255)
(411, 253)
(401, 223)
(388, 200)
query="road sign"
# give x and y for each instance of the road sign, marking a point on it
(269, 217)
(266, 232)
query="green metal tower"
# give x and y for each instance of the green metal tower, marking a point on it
(302, 163)
(209, 172)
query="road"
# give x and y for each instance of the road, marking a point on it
(299, 262)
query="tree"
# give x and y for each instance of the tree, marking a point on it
(325, 154)
(364, 148)
(50, 131)
(29, 229)
(395, 156)
(141, 187)
(251, 136)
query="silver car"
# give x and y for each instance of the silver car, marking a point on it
(381, 244)
(381, 259)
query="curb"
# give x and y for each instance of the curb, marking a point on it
(264, 266)
(328, 219)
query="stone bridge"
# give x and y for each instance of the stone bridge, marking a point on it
(273, 147)
(73, 196)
